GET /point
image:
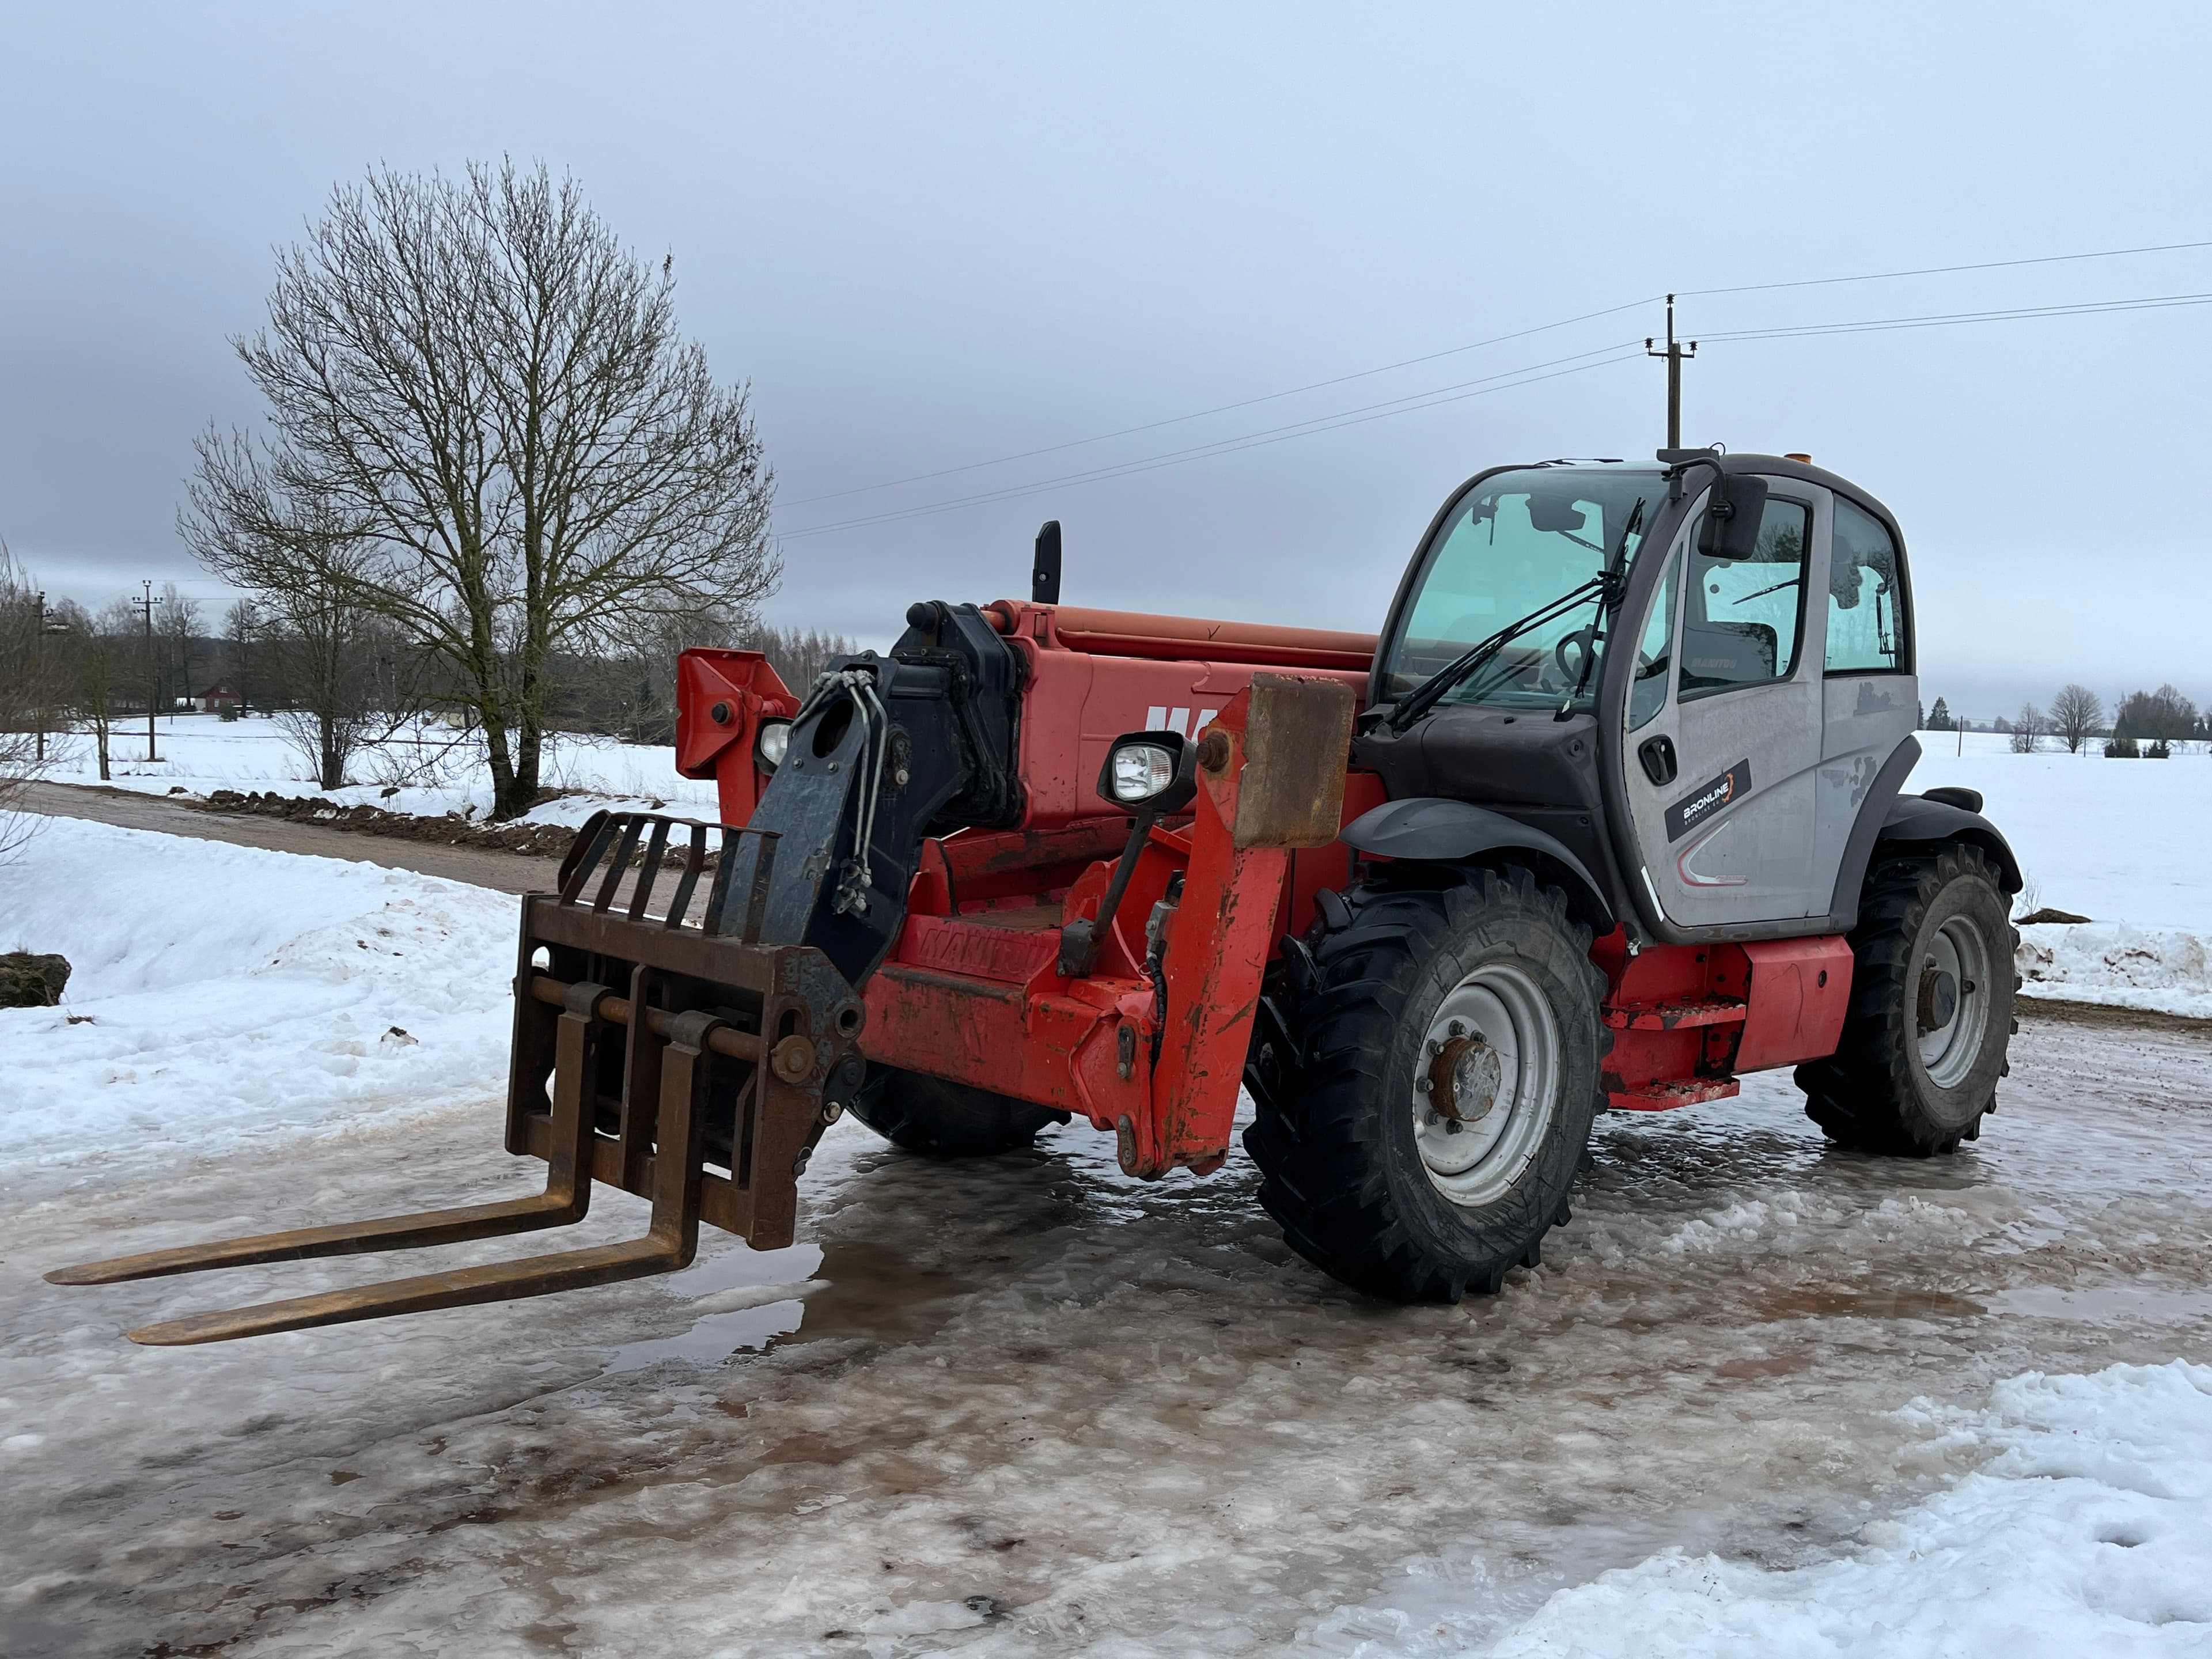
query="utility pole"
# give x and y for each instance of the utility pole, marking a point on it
(153, 670)
(39, 667)
(1674, 354)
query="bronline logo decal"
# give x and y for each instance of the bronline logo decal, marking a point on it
(1707, 798)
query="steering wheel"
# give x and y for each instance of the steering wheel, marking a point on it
(1583, 640)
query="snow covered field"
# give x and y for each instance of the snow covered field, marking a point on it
(1761, 1399)
(201, 753)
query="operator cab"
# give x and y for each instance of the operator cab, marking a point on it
(1711, 774)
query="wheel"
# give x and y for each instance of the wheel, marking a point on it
(1931, 1009)
(946, 1119)
(1447, 1075)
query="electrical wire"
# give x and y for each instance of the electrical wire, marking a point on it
(1479, 345)
(1231, 446)
(1947, 320)
(1223, 408)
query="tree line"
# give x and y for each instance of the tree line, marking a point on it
(2151, 724)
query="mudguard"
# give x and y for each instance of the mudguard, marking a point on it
(1923, 820)
(1436, 828)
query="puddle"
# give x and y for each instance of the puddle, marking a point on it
(855, 1288)
(2099, 1305)
(1870, 1304)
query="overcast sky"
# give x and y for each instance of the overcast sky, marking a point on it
(936, 236)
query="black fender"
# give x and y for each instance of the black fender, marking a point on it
(1926, 821)
(1436, 829)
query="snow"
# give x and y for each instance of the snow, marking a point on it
(218, 992)
(2088, 1531)
(2117, 840)
(444, 770)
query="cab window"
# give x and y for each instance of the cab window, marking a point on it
(1866, 632)
(1654, 656)
(1744, 618)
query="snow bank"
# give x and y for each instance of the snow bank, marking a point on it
(201, 753)
(219, 992)
(2089, 1531)
(2118, 966)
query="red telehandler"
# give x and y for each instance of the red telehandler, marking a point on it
(1608, 815)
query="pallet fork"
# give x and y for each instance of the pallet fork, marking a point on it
(670, 1053)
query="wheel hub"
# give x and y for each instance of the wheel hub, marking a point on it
(1486, 1084)
(1951, 1001)
(1939, 999)
(1464, 1079)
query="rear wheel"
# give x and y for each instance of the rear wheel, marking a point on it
(1449, 1043)
(1931, 1009)
(946, 1119)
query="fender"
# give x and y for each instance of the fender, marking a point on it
(1436, 829)
(1922, 820)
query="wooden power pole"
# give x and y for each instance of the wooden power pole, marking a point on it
(152, 668)
(1675, 354)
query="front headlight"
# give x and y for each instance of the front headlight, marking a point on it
(771, 743)
(1140, 771)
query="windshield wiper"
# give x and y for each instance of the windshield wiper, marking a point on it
(1608, 586)
(1616, 592)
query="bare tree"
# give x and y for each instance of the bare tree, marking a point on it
(241, 626)
(24, 694)
(326, 648)
(2027, 727)
(2076, 714)
(478, 381)
(178, 620)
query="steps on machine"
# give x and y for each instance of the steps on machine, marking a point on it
(1674, 1015)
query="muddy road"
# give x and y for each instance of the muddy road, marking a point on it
(1027, 1406)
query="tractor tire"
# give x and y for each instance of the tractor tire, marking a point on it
(1483, 990)
(1931, 1009)
(927, 1115)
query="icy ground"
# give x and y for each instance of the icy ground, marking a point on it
(201, 753)
(1762, 1398)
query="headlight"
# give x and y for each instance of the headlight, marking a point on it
(1140, 771)
(771, 743)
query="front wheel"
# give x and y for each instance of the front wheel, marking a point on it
(1931, 1009)
(1447, 1076)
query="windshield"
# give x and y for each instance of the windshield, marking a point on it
(1514, 543)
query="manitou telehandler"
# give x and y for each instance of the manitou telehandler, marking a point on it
(1607, 816)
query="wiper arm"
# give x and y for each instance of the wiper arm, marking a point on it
(1616, 591)
(1609, 585)
(1425, 696)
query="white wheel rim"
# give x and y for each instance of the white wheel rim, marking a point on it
(1950, 1025)
(1491, 1058)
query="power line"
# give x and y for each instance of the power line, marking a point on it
(1223, 408)
(1504, 381)
(1227, 446)
(1945, 319)
(1478, 345)
(1943, 270)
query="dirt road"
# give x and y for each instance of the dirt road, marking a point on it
(507, 872)
(1026, 1406)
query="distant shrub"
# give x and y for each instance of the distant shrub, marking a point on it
(226, 712)
(2121, 746)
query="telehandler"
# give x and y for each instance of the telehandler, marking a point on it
(1608, 815)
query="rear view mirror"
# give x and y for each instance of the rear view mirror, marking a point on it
(1733, 518)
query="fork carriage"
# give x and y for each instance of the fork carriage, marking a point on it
(667, 1052)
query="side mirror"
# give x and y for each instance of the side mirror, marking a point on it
(1153, 773)
(1733, 517)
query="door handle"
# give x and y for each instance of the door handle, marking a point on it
(1657, 755)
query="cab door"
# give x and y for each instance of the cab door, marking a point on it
(1723, 737)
